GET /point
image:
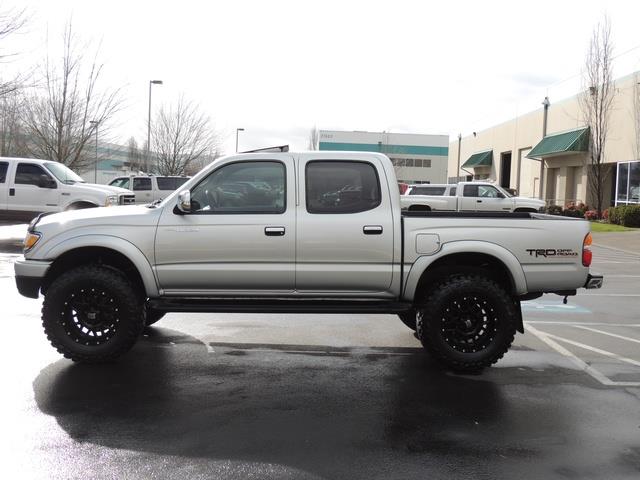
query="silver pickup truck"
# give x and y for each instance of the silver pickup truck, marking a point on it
(467, 197)
(318, 232)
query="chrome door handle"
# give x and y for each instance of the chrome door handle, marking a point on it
(372, 229)
(274, 231)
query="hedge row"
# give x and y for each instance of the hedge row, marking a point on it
(625, 215)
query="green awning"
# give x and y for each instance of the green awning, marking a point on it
(481, 159)
(562, 143)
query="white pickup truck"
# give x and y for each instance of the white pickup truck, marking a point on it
(29, 187)
(318, 232)
(467, 197)
(149, 188)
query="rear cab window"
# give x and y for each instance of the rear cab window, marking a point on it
(341, 186)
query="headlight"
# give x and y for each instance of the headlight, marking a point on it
(111, 200)
(30, 240)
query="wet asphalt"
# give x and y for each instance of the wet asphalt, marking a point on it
(329, 396)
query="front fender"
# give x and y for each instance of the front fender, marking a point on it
(469, 247)
(118, 244)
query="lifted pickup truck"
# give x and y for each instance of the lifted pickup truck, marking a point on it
(298, 232)
(467, 197)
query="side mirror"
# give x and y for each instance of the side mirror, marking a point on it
(184, 201)
(45, 181)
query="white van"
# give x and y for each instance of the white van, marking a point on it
(29, 187)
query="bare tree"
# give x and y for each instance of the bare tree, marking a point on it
(11, 22)
(12, 137)
(180, 135)
(66, 106)
(135, 155)
(314, 138)
(596, 103)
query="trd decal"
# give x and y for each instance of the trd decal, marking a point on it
(551, 252)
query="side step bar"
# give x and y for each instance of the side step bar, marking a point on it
(276, 305)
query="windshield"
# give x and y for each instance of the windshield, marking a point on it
(63, 173)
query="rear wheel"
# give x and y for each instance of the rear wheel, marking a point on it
(467, 322)
(92, 314)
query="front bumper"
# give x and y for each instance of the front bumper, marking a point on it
(29, 276)
(594, 281)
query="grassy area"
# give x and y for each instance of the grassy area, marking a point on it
(609, 227)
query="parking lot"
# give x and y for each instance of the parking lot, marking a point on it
(330, 396)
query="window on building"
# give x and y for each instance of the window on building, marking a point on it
(341, 187)
(634, 182)
(426, 163)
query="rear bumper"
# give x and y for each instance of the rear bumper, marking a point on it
(594, 281)
(29, 275)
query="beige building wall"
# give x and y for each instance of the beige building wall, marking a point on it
(565, 176)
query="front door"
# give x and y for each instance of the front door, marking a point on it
(239, 236)
(26, 193)
(345, 228)
(485, 198)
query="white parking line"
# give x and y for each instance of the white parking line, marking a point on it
(606, 353)
(602, 332)
(597, 324)
(600, 377)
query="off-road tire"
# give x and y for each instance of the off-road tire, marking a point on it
(92, 314)
(152, 316)
(409, 319)
(467, 322)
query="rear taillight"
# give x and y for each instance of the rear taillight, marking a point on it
(587, 254)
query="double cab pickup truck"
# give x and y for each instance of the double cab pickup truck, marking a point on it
(467, 197)
(29, 187)
(311, 232)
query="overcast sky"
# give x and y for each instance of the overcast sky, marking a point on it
(277, 68)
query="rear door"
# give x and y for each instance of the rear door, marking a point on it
(4, 191)
(345, 227)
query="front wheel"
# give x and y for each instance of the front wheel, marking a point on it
(92, 314)
(467, 322)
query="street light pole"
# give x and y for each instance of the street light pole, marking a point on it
(95, 167)
(238, 130)
(546, 103)
(151, 83)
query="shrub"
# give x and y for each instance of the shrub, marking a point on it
(554, 210)
(614, 215)
(575, 210)
(591, 215)
(630, 216)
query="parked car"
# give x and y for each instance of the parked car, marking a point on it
(329, 238)
(29, 187)
(149, 188)
(468, 197)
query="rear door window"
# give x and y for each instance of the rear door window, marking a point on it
(3, 171)
(341, 187)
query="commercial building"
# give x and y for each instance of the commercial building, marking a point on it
(417, 158)
(556, 166)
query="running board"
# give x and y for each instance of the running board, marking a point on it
(262, 305)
